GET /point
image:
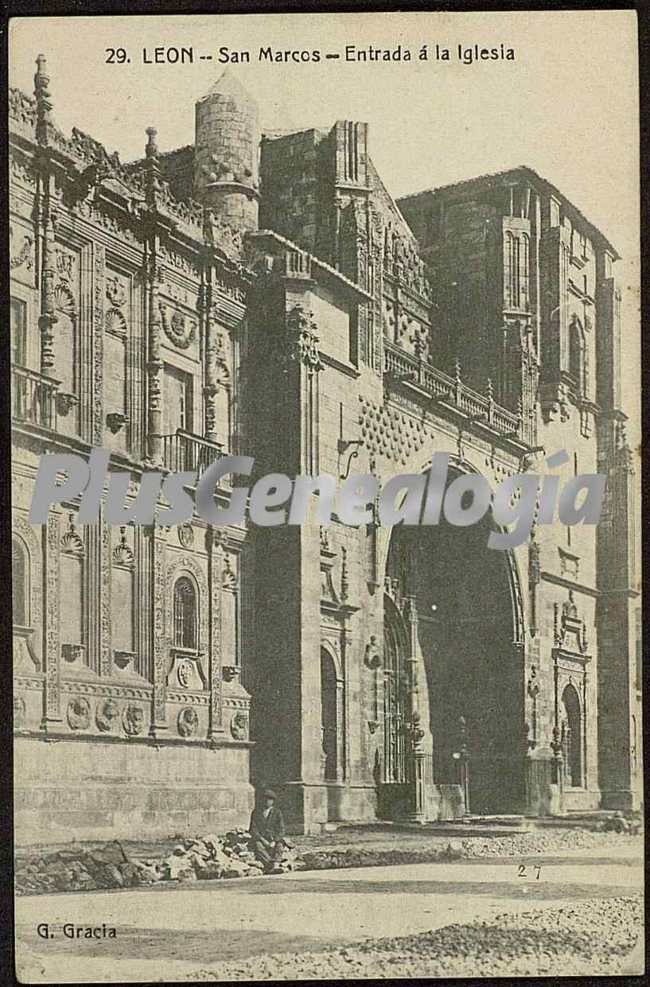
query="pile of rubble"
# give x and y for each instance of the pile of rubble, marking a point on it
(205, 858)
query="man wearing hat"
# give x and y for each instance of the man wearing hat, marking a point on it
(267, 831)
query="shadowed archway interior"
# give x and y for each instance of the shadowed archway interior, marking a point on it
(468, 663)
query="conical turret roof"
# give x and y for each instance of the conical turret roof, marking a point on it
(228, 84)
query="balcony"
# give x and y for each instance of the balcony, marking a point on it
(184, 452)
(33, 398)
(440, 386)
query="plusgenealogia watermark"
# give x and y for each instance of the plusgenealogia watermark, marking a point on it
(276, 499)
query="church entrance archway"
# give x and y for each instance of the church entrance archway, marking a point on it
(452, 631)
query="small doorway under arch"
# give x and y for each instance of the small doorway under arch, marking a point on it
(571, 737)
(329, 715)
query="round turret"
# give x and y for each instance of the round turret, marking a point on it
(226, 156)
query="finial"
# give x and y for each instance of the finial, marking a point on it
(344, 573)
(457, 371)
(490, 390)
(42, 97)
(152, 147)
(152, 170)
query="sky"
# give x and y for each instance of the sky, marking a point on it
(567, 106)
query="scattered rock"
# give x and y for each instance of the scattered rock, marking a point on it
(587, 938)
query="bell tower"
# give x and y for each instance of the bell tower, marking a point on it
(226, 157)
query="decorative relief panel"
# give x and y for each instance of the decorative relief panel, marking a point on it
(239, 726)
(388, 432)
(99, 272)
(107, 715)
(20, 711)
(187, 722)
(159, 643)
(133, 720)
(180, 328)
(78, 713)
(216, 647)
(52, 584)
(21, 252)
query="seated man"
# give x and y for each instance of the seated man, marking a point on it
(267, 831)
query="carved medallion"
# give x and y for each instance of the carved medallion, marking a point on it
(186, 535)
(106, 715)
(179, 328)
(239, 726)
(132, 720)
(188, 721)
(78, 714)
(115, 292)
(20, 255)
(184, 673)
(19, 712)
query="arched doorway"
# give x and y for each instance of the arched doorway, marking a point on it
(570, 737)
(329, 715)
(463, 632)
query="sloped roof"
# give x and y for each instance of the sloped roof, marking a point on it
(528, 174)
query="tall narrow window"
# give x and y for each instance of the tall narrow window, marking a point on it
(20, 582)
(18, 316)
(185, 614)
(577, 355)
(523, 272)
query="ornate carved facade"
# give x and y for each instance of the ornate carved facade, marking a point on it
(361, 670)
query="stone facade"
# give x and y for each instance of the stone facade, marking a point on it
(161, 673)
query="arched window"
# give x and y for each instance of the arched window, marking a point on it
(185, 614)
(571, 737)
(20, 580)
(329, 728)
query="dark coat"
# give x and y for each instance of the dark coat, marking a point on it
(270, 828)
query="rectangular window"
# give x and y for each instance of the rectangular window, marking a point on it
(178, 400)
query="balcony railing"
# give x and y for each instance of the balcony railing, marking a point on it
(439, 385)
(184, 451)
(33, 397)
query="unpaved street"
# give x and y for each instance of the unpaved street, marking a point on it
(162, 933)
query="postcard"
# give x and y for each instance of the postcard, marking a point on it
(325, 405)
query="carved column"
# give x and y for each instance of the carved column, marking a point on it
(95, 610)
(215, 727)
(45, 216)
(99, 277)
(154, 326)
(52, 698)
(159, 646)
(211, 375)
(104, 630)
(143, 615)
(303, 350)
(417, 812)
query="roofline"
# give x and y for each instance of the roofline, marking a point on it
(360, 293)
(542, 183)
